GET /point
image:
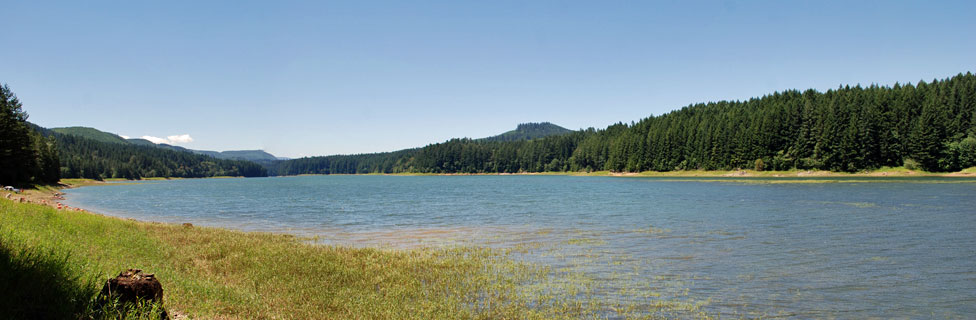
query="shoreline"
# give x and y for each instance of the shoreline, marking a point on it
(881, 172)
(36, 196)
(49, 194)
(218, 272)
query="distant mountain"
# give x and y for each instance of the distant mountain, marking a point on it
(102, 136)
(250, 155)
(92, 134)
(530, 131)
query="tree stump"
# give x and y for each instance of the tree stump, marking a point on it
(132, 285)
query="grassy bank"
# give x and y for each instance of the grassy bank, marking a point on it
(53, 263)
(216, 273)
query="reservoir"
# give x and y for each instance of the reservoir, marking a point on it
(745, 247)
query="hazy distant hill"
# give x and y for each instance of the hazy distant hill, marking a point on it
(426, 158)
(250, 155)
(91, 133)
(530, 131)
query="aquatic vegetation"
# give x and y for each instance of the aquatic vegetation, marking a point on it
(852, 204)
(861, 204)
(653, 230)
(877, 259)
(586, 241)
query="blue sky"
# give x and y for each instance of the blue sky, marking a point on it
(317, 78)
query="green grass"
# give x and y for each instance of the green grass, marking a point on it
(39, 284)
(208, 272)
(56, 261)
(42, 272)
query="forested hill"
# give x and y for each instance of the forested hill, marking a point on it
(92, 133)
(928, 125)
(101, 136)
(90, 153)
(86, 158)
(530, 131)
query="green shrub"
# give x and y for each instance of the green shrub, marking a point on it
(911, 164)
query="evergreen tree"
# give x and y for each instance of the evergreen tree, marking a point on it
(24, 156)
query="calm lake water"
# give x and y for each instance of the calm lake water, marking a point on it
(851, 248)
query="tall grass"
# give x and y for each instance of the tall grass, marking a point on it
(39, 284)
(55, 261)
(43, 274)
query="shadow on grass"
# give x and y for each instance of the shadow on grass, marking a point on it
(39, 285)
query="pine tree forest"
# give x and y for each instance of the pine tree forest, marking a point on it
(925, 126)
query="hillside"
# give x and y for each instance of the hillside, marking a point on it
(140, 142)
(94, 154)
(86, 158)
(91, 133)
(530, 131)
(101, 136)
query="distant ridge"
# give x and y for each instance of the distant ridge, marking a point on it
(250, 155)
(530, 131)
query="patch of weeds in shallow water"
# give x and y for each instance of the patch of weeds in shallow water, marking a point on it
(653, 230)
(604, 283)
(861, 204)
(852, 204)
(877, 259)
(586, 242)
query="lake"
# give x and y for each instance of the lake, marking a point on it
(805, 248)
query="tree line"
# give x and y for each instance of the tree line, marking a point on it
(31, 155)
(927, 126)
(86, 158)
(26, 157)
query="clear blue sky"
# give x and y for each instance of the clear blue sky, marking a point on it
(319, 78)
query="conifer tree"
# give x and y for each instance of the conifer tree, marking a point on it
(18, 160)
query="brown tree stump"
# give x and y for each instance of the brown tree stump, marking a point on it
(133, 284)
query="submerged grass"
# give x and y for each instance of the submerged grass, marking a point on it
(54, 262)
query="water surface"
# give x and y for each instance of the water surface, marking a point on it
(851, 248)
